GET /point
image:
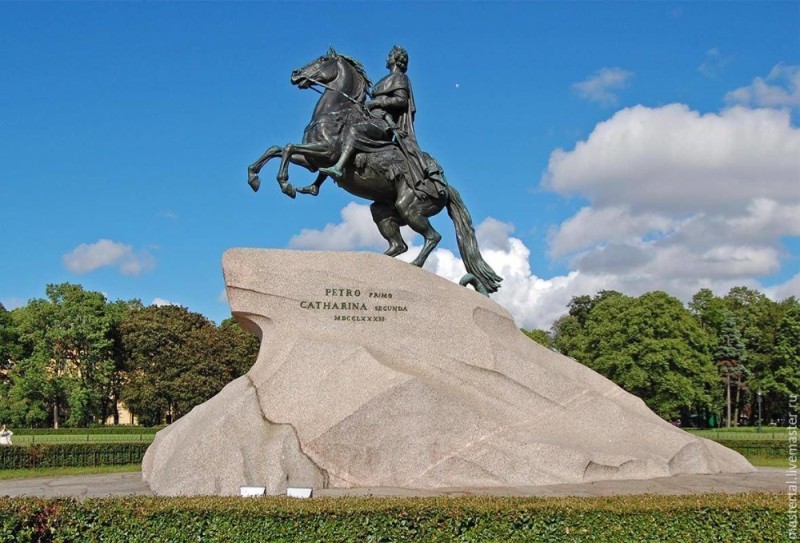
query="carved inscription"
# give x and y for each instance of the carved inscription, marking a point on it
(354, 305)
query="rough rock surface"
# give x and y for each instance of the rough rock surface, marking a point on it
(374, 373)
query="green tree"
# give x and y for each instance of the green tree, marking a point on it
(239, 348)
(152, 341)
(10, 349)
(581, 307)
(68, 358)
(709, 311)
(541, 337)
(648, 345)
(177, 359)
(785, 379)
(567, 335)
(730, 355)
(757, 318)
(568, 332)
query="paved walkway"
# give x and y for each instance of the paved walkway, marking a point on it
(126, 484)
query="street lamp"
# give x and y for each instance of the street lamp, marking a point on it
(759, 410)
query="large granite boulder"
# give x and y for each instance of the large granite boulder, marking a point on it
(374, 373)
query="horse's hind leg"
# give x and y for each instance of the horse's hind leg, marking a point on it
(388, 221)
(415, 213)
(313, 189)
(254, 168)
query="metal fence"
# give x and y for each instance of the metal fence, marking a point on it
(71, 455)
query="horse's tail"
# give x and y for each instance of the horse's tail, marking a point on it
(468, 244)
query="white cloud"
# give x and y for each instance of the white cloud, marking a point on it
(781, 88)
(357, 230)
(610, 224)
(87, 257)
(786, 289)
(223, 296)
(713, 62)
(678, 200)
(674, 160)
(162, 302)
(598, 87)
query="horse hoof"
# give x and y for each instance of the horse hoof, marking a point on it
(312, 190)
(255, 183)
(395, 250)
(289, 190)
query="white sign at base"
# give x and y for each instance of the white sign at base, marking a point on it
(252, 491)
(298, 492)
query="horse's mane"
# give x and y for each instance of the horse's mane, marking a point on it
(364, 84)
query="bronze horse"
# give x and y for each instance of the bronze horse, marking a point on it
(381, 176)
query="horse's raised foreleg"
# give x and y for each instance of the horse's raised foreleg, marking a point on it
(255, 168)
(299, 152)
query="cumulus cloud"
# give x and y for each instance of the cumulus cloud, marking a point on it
(786, 289)
(780, 89)
(609, 224)
(87, 257)
(162, 302)
(357, 230)
(674, 160)
(600, 86)
(680, 200)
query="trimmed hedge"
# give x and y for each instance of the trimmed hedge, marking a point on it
(750, 518)
(758, 448)
(95, 430)
(71, 455)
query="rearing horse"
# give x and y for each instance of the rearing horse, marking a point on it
(382, 176)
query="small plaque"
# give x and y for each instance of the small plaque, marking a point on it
(252, 491)
(294, 492)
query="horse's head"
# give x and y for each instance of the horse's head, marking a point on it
(327, 68)
(322, 70)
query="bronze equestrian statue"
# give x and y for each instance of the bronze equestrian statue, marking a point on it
(369, 148)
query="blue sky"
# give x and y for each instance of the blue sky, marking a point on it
(634, 146)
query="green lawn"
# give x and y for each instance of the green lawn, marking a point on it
(769, 462)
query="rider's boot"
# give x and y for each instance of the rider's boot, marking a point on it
(337, 170)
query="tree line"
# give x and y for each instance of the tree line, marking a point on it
(705, 364)
(73, 358)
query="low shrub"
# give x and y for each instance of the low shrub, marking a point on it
(71, 455)
(750, 518)
(758, 448)
(94, 430)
